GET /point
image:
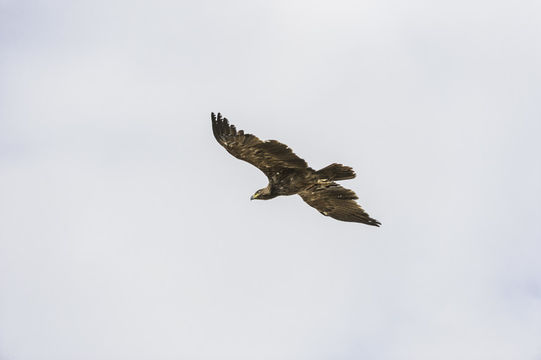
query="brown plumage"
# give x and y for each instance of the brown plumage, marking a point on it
(288, 174)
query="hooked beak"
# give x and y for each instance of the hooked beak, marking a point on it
(252, 197)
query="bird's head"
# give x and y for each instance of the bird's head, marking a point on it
(262, 194)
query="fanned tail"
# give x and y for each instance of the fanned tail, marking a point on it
(336, 172)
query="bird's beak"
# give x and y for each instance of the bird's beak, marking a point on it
(252, 197)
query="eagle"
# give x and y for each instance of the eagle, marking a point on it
(288, 174)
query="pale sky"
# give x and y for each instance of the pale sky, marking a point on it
(126, 231)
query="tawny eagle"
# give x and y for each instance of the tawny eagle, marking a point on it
(288, 174)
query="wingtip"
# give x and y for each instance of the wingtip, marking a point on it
(221, 127)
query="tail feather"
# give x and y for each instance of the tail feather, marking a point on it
(336, 172)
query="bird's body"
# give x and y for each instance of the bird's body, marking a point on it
(290, 182)
(289, 175)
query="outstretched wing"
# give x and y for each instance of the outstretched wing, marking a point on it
(333, 200)
(268, 156)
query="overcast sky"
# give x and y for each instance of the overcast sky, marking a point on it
(126, 231)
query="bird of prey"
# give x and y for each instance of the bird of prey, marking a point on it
(288, 174)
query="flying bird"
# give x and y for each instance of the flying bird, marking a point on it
(288, 174)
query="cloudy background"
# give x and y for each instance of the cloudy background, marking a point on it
(126, 231)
